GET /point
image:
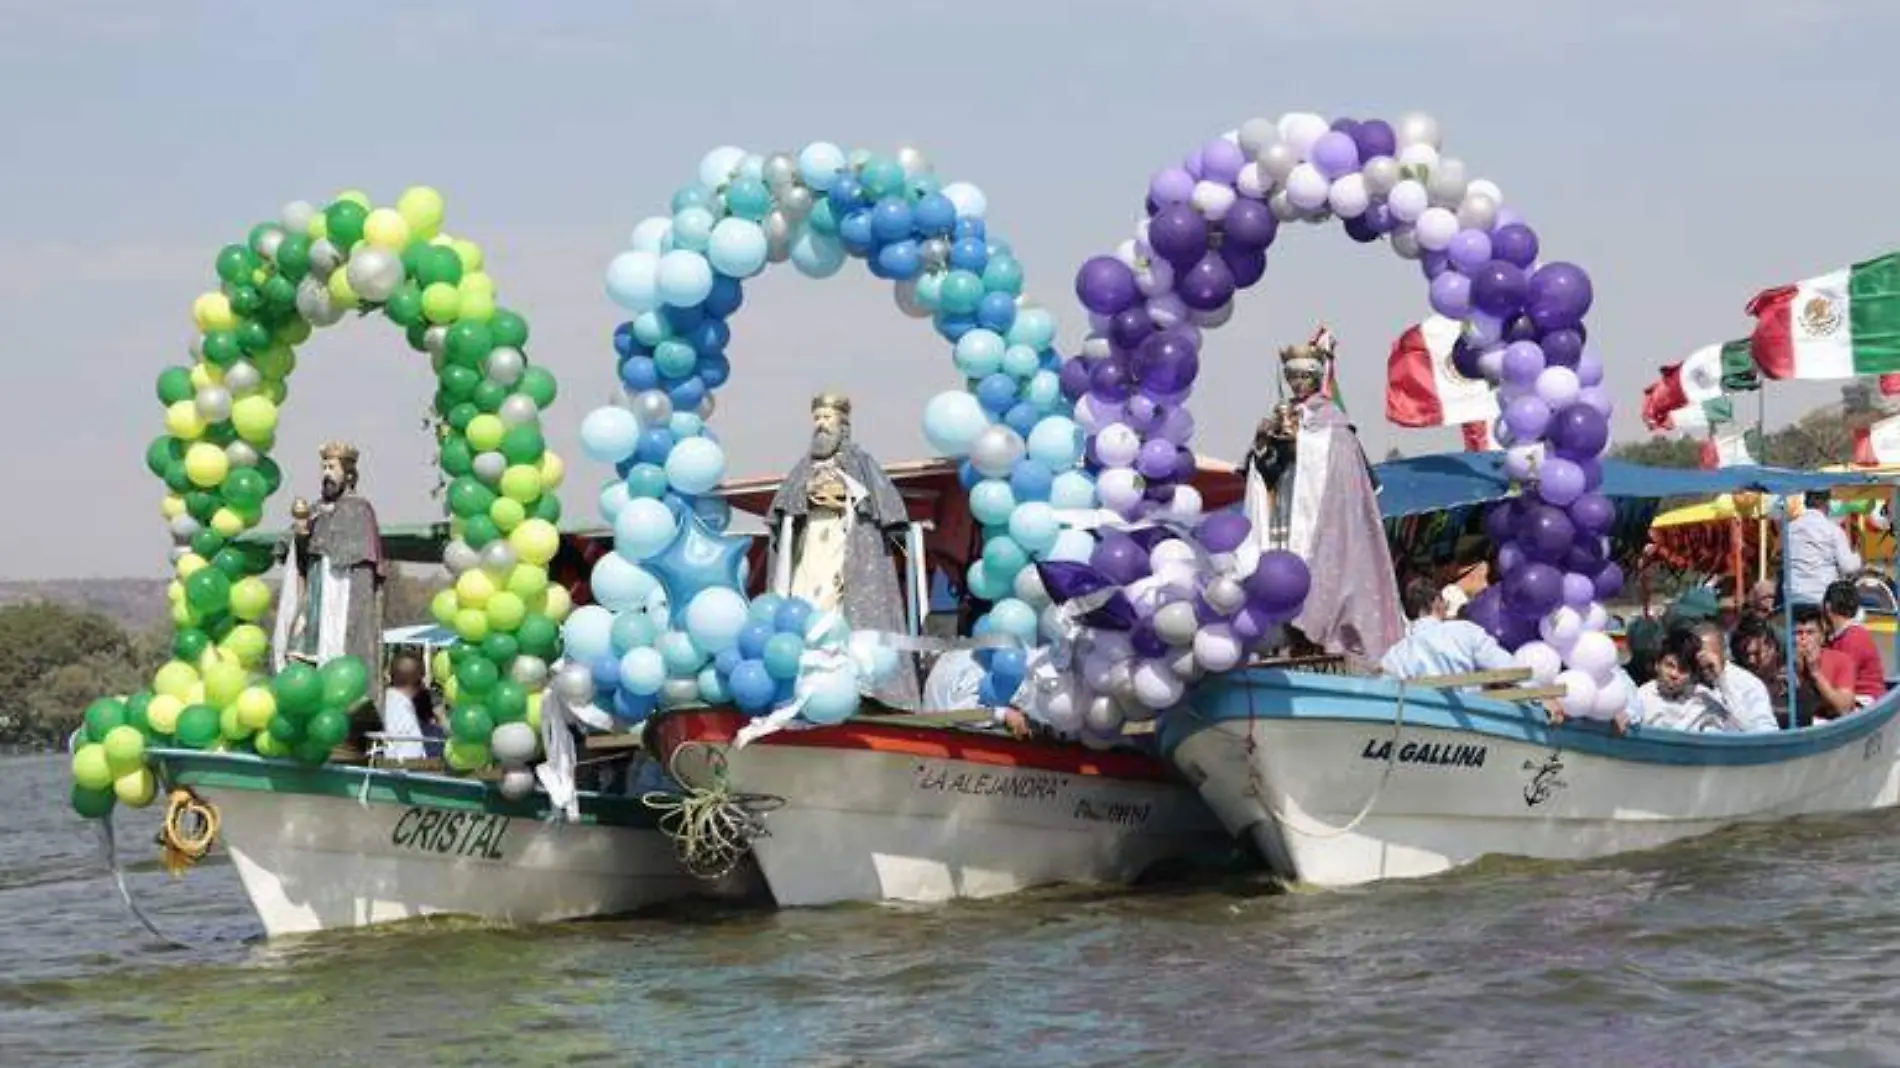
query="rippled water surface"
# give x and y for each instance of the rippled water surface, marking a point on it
(1768, 945)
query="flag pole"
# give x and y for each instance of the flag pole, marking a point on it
(1761, 524)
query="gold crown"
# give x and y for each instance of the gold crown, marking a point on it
(339, 450)
(1319, 349)
(837, 401)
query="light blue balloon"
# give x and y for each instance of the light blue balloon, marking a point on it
(644, 528)
(714, 618)
(1072, 489)
(1034, 327)
(830, 697)
(952, 420)
(633, 630)
(698, 559)
(650, 328)
(695, 465)
(1003, 557)
(693, 229)
(715, 512)
(712, 688)
(588, 634)
(642, 671)
(1021, 361)
(979, 353)
(619, 584)
(716, 167)
(609, 433)
(613, 498)
(681, 654)
(982, 585)
(992, 501)
(737, 248)
(1058, 442)
(782, 652)
(633, 280)
(819, 164)
(684, 278)
(817, 255)
(674, 358)
(1014, 618)
(1034, 526)
(930, 290)
(1073, 546)
(654, 234)
(1044, 391)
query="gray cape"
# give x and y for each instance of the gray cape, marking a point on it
(347, 535)
(873, 599)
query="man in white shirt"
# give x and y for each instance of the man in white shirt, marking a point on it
(400, 721)
(1434, 645)
(1676, 698)
(1818, 553)
(1739, 691)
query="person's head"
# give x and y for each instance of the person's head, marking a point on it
(1422, 600)
(405, 671)
(830, 424)
(1712, 641)
(1454, 598)
(1756, 648)
(1762, 597)
(1305, 365)
(339, 469)
(1815, 500)
(1674, 666)
(1810, 627)
(1841, 602)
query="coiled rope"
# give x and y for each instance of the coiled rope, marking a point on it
(712, 827)
(191, 826)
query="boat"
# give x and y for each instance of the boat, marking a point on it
(339, 846)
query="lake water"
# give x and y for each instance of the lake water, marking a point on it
(1768, 945)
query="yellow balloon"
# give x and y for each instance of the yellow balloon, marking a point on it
(440, 666)
(355, 196)
(190, 564)
(255, 707)
(230, 726)
(340, 291)
(451, 690)
(227, 522)
(469, 253)
(506, 611)
(268, 745)
(125, 749)
(556, 603)
(172, 506)
(250, 598)
(183, 616)
(507, 513)
(534, 712)
(206, 465)
(535, 541)
(295, 332)
(174, 592)
(91, 769)
(319, 227)
(206, 374)
(473, 588)
(211, 658)
(476, 282)
(386, 228)
(476, 307)
(553, 470)
(248, 643)
(223, 683)
(136, 788)
(443, 606)
(526, 580)
(471, 624)
(175, 679)
(522, 482)
(441, 303)
(162, 713)
(276, 360)
(484, 432)
(212, 311)
(422, 208)
(254, 417)
(183, 422)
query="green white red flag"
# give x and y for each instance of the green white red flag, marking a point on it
(1843, 324)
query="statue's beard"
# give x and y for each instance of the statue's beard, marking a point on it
(332, 489)
(826, 443)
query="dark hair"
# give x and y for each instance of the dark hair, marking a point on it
(1842, 598)
(1683, 644)
(1420, 595)
(1808, 613)
(1815, 498)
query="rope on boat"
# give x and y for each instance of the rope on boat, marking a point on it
(191, 825)
(108, 839)
(1284, 819)
(712, 827)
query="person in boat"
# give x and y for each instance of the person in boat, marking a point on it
(1737, 689)
(1825, 673)
(1676, 698)
(1818, 554)
(406, 707)
(1764, 601)
(1840, 606)
(845, 513)
(1308, 484)
(1437, 645)
(954, 682)
(333, 590)
(1452, 600)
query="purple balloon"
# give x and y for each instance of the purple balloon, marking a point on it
(1498, 288)
(1207, 285)
(1074, 377)
(1221, 161)
(1523, 362)
(1451, 295)
(1499, 520)
(1579, 432)
(1066, 580)
(1118, 614)
(1279, 583)
(1179, 235)
(1156, 459)
(1515, 244)
(1249, 625)
(1184, 463)
(1177, 424)
(1245, 264)
(1589, 370)
(1593, 514)
(1110, 381)
(1560, 481)
(1171, 185)
(1194, 165)
(1166, 362)
(1609, 581)
(1433, 264)
(1547, 535)
(1533, 590)
(1598, 398)
(1145, 640)
(1106, 285)
(1528, 417)
(1222, 532)
(1119, 558)
(1519, 328)
(1374, 137)
(1469, 250)
(1130, 327)
(1517, 629)
(1142, 413)
(1487, 610)
(1334, 154)
(1464, 358)
(1250, 223)
(1592, 469)
(1562, 348)
(1579, 590)
(1510, 557)
(1558, 296)
(1485, 328)
(1360, 229)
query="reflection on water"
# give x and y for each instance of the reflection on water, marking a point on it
(1763, 945)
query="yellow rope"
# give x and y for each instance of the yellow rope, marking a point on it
(191, 825)
(712, 827)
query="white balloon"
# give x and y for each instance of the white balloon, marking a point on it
(1256, 134)
(1613, 697)
(1484, 187)
(1405, 243)
(1156, 686)
(1171, 553)
(1381, 173)
(1175, 623)
(1595, 654)
(1117, 444)
(1218, 648)
(1580, 693)
(513, 743)
(1299, 129)
(1543, 661)
(1408, 200)
(1253, 181)
(1447, 182)
(1561, 629)
(1225, 595)
(1435, 228)
(1103, 717)
(1186, 504)
(1029, 589)
(1477, 212)
(1418, 160)
(1307, 188)
(968, 199)
(1349, 197)
(1155, 278)
(653, 235)
(516, 783)
(1212, 200)
(1417, 128)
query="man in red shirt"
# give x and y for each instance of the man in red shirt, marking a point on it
(1826, 677)
(1842, 604)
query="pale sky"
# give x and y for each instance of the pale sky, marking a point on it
(1686, 153)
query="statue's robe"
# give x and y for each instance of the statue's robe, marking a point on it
(343, 566)
(1323, 499)
(841, 557)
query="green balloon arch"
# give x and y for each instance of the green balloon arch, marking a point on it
(309, 269)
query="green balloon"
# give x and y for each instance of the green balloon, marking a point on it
(280, 294)
(197, 727)
(178, 480)
(418, 331)
(221, 348)
(457, 458)
(345, 683)
(201, 505)
(245, 487)
(311, 752)
(208, 590)
(254, 336)
(460, 415)
(479, 531)
(468, 498)
(523, 444)
(273, 475)
(538, 385)
(219, 625)
(286, 730)
(471, 723)
(136, 707)
(961, 292)
(477, 675)
(458, 382)
(538, 636)
(327, 728)
(489, 394)
(174, 385)
(103, 715)
(190, 643)
(548, 508)
(345, 218)
(508, 328)
(469, 343)
(207, 543)
(404, 306)
(298, 689)
(246, 299)
(501, 648)
(235, 263)
(93, 804)
(258, 234)
(293, 257)
(162, 454)
(508, 702)
(220, 434)
(461, 651)
(233, 562)
(437, 263)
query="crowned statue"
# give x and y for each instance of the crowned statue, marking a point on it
(1309, 485)
(833, 522)
(333, 584)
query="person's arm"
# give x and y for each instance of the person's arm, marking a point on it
(1487, 654)
(1845, 557)
(1836, 698)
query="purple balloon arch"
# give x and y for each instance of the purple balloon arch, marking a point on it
(1208, 226)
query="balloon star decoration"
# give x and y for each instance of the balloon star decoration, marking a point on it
(305, 270)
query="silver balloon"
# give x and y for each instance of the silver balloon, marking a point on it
(574, 683)
(652, 407)
(1175, 623)
(1381, 173)
(913, 160)
(1478, 212)
(488, 466)
(1095, 346)
(1256, 134)
(996, 450)
(529, 672)
(374, 273)
(269, 242)
(516, 783)
(707, 406)
(513, 743)
(1283, 209)
(242, 378)
(675, 693)
(1211, 319)
(1278, 160)
(1447, 182)
(1405, 243)
(240, 454)
(179, 552)
(324, 258)
(505, 365)
(314, 303)
(185, 528)
(214, 404)
(498, 557)
(437, 361)
(297, 216)
(197, 347)
(436, 340)
(1185, 667)
(458, 556)
(1104, 716)
(779, 172)
(795, 202)
(905, 293)
(1418, 128)
(935, 253)
(1225, 595)
(517, 410)
(778, 237)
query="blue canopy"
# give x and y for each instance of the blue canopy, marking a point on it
(1443, 481)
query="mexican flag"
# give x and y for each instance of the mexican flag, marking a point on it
(1423, 388)
(1706, 377)
(1842, 324)
(1731, 447)
(1878, 445)
(1699, 416)
(1478, 436)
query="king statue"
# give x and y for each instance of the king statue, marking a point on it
(333, 584)
(841, 513)
(1309, 485)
